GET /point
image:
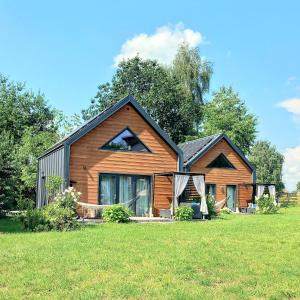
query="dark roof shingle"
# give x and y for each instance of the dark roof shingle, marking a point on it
(191, 148)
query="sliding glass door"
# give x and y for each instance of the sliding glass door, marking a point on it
(133, 191)
(143, 196)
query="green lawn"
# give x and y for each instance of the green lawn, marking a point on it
(239, 257)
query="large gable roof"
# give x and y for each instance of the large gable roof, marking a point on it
(102, 116)
(193, 150)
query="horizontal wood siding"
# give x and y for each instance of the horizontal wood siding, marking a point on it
(221, 177)
(87, 161)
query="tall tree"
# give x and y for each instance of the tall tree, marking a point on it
(227, 113)
(194, 75)
(156, 90)
(298, 186)
(20, 110)
(268, 163)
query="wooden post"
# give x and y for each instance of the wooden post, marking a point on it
(152, 200)
(173, 195)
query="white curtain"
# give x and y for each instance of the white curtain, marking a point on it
(260, 191)
(200, 187)
(180, 182)
(272, 192)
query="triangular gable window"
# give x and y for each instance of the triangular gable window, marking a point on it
(125, 141)
(221, 162)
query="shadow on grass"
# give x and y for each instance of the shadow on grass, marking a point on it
(10, 225)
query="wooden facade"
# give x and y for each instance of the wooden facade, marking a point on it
(87, 161)
(241, 176)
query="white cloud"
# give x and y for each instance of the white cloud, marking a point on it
(293, 106)
(291, 167)
(161, 45)
(291, 79)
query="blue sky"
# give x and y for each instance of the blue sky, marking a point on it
(66, 48)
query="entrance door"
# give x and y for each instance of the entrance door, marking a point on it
(143, 196)
(231, 194)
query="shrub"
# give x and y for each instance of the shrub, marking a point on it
(184, 213)
(53, 185)
(34, 220)
(116, 213)
(266, 205)
(68, 198)
(60, 218)
(2, 210)
(210, 200)
(226, 211)
(25, 204)
(59, 215)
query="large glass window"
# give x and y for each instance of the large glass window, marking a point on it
(221, 162)
(132, 190)
(125, 141)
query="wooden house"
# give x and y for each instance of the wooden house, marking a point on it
(121, 154)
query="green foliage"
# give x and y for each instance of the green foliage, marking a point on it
(298, 186)
(25, 204)
(60, 215)
(34, 220)
(268, 163)
(53, 185)
(184, 213)
(266, 205)
(210, 200)
(116, 213)
(173, 97)
(32, 145)
(27, 128)
(227, 113)
(226, 211)
(193, 75)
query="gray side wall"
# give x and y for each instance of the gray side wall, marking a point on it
(49, 165)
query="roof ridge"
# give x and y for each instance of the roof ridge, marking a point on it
(200, 139)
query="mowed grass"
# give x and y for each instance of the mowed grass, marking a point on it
(238, 257)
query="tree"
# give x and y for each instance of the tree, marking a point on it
(31, 146)
(7, 171)
(298, 186)
(23, 117)
(227, 113)
(268, 163)
(194, 75)
(156, 90)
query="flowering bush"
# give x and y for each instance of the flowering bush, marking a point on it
(226, 211)
(184, 213)
(266, 205)
(59, 215)
(116, 213)
(210, 201)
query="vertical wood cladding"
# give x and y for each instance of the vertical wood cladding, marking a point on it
(87, 160)
(241, 176)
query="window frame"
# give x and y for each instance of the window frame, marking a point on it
(227, 160)
(117, 176)
(121, 150)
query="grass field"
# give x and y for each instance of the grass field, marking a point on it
(238, 257)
